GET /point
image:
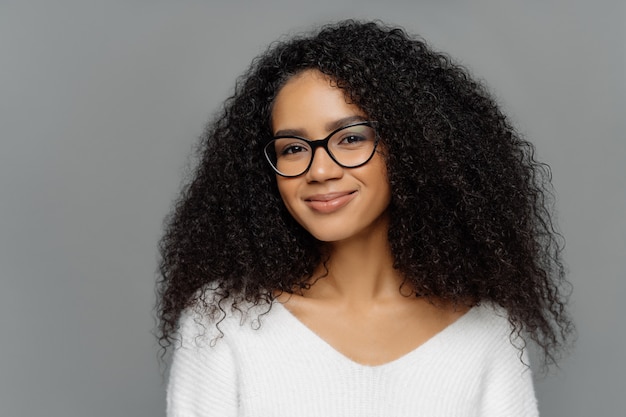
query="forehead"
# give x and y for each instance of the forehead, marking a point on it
(310, 101)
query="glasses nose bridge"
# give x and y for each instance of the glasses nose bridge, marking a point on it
(321, 143)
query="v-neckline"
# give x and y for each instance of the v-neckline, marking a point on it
(306, 332)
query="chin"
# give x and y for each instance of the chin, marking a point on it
(332, 235)
(328, 235)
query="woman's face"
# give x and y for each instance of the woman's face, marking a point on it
(331, 202)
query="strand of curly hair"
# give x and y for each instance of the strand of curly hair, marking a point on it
(470, 216)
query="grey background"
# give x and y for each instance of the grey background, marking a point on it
(101, 103)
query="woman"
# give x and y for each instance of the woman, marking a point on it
(365, 234)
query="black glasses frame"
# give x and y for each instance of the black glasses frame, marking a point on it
(323, 143)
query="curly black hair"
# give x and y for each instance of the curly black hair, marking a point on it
(470, 216)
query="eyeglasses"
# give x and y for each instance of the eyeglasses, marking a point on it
(349, 146)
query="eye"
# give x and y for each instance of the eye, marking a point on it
(352, 138)
(290, 147)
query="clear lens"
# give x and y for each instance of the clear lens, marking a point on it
(350, 147)
(353, 145)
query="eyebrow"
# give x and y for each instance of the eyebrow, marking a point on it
(330, 126)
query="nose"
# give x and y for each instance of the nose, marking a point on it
(323, 167)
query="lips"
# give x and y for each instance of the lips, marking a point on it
(328, 203)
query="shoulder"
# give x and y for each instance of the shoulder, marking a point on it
(214, 344)
(487, 322)
(214, 317)
(483, 347)
(203, 372)
(507, 377)
(481, 339)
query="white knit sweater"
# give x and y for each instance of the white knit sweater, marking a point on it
(284, 369)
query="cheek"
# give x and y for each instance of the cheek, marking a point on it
(287, 190)
(379, 173)
(281, 187)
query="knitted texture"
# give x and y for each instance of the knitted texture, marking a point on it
(282, 368)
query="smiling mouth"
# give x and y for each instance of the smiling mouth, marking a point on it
(328, 203)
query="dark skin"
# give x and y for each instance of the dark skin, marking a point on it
(357, 302)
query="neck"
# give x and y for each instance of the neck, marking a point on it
(359, 269)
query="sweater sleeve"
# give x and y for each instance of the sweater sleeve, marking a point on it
(203, 377)
(509, 387)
